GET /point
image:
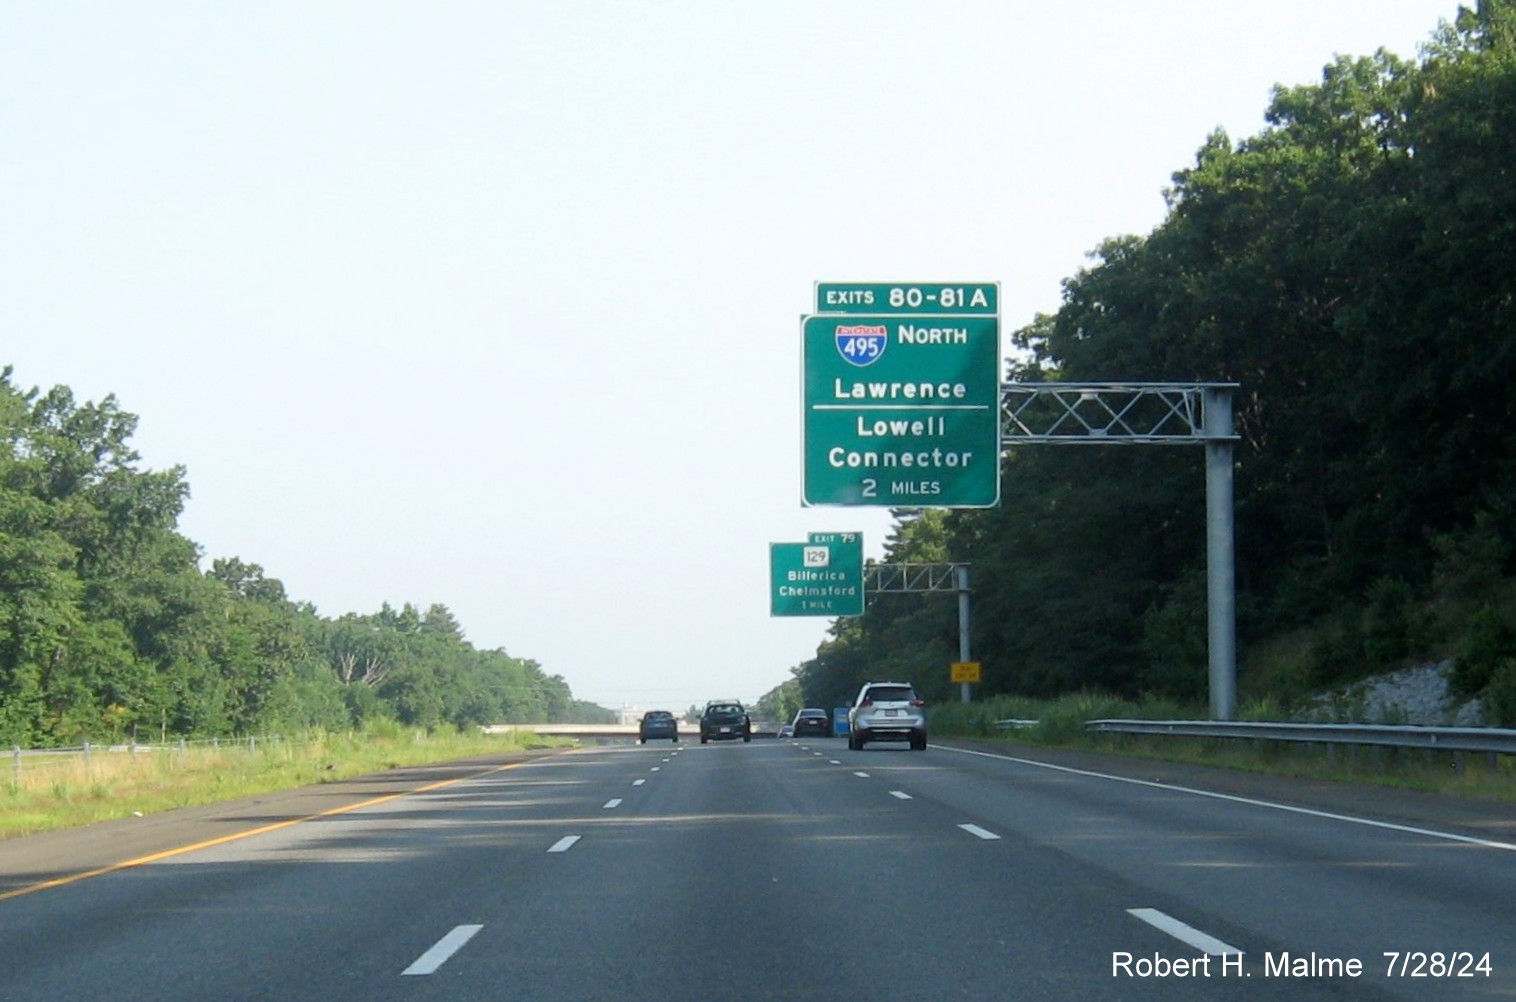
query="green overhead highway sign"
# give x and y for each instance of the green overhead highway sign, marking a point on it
(900, 411)
(976, 298)
(846, 556)
(820, 577)
(837, 540)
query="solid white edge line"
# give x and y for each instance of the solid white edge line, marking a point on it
(565, 843)
(1310, 812)
(442, 950)
(1184, 933)
(978, 832)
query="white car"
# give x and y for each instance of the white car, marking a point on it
(887, 711)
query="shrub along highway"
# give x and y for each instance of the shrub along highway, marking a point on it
(785, 869)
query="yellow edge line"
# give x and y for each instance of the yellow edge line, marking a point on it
(74, 878)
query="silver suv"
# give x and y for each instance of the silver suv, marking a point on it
(887, 711)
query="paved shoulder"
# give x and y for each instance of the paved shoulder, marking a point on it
(32, 859)
(1473, 816)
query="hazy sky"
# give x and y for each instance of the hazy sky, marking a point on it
(496, 304)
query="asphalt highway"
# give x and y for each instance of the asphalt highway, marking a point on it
(776, 869)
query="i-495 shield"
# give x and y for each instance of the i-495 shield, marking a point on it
(862, 344)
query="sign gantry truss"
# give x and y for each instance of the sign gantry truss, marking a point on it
(1111, 413)
(1119, 414)
(1153, 414)
(881, 578)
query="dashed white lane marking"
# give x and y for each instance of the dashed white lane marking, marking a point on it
(978, 832)
(638, 782)
(655, 768)
(834, 761)
(613, 802)
(861, 775)
(900, 795)
(1184, 933)
(442, 950)
(564, 844)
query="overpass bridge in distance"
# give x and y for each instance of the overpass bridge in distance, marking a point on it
(611, 732)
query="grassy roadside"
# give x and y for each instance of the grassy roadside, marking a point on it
(53, 792)
(1060, 724)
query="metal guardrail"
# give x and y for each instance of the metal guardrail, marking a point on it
(132, 747)
(1490, 740)
(86, 751)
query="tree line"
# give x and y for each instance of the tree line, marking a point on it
(109, 629)
(1352, 267)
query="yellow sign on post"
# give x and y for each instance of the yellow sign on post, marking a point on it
(966, 671)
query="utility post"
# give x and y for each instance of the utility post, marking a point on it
(1221, 570)
(1154, 414)
(961, 584)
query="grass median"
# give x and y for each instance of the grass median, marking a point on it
(62, 790)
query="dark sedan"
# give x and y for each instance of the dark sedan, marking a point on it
(724, 721)
(657, 724)
(813, 721)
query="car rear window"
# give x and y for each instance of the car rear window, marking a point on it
(891, 694)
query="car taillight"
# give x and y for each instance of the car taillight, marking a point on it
(867, 702)
(918, 702)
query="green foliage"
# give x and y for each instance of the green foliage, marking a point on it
(109, 630)
(781, 703)
(582, 712)
(1375, 634)
(384, 729)
(1489, 643)
(1059, 721)
(1174, 638)
(1394, 625)
(1336, 651)
(981, 717)
(1062, 721)
(1470, 560)
(1352, 267)
(1264, 710)
(1500, 694)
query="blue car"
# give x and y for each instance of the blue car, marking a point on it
(657, 724)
